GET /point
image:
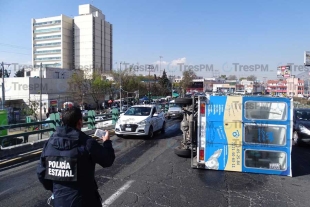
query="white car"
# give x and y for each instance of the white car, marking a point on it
(140, 120)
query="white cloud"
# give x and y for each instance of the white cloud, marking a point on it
(178, 61)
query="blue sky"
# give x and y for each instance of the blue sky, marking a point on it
(199, 32)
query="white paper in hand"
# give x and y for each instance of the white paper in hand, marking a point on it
(100, 133)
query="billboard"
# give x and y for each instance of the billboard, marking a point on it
(307, 58)
(284, 71)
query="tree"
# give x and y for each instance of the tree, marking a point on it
(251, 78)
(32, 109)
(94, 85)
(130, 82)
(188, 76)
(20, 73)
(6, 74)
(242, 78)
(232, 77)
(223, 76)
(165, 84)
(77, 85)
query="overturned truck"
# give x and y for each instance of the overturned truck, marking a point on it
(237, 133)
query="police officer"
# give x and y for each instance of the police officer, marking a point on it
(67, 163)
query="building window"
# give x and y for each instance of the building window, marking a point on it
(47, 23)
(47, 30)
(47, 51)
(47, 44)
(28, 73)
(47, 37)
(48, 58)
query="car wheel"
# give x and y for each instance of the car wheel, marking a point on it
(151, 132)
(163, 128)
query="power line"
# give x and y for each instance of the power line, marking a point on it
(15, 52)
(15, 46)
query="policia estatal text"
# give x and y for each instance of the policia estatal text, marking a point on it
(67, 163)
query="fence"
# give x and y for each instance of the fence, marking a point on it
(55, 120)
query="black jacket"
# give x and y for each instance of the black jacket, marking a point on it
(84, 192)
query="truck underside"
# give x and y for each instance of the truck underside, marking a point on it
(189, 127)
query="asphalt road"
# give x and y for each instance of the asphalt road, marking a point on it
(148, 173)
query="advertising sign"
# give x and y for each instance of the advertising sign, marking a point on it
(53, 103)
(3, 121)
(249, 134)
(284, 71)
(307, 58)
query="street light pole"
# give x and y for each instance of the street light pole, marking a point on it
(120, 87)
(8, 75)
(41, 99)
(3, 91)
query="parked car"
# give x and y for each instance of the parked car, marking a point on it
(301, 126)
(140, 120)
(175, 110)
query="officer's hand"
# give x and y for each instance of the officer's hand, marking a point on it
(107, 136)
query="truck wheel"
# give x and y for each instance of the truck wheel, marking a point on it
(182, 152)
(183, 101)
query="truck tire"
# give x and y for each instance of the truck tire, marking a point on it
(186, 153)
(183, 101)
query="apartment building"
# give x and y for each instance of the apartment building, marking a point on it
(83, 42)
(289, 87)
(92, 40)
(52, 42)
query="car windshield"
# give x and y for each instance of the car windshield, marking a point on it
(138, 111)
(303, 115)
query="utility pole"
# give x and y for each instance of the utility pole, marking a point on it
(41, 98)
(149, 67)
(120, 87)
(3, 91)
(3, 74)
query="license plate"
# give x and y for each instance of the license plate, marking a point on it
(128, 129)
(173, 114)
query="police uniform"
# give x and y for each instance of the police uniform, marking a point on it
(67, 167)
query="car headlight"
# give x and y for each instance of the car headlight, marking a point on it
(144, 122)
(304, 130)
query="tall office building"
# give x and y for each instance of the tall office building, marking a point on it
(52, 42)
(84, 42)
(92, 40)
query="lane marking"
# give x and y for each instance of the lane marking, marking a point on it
(6, 191)
(117, 194)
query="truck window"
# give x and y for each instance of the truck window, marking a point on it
(255, 110)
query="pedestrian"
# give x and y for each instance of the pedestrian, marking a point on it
(67, 163)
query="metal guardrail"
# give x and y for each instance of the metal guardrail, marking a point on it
(53, 123)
